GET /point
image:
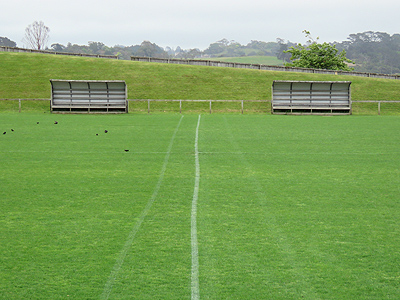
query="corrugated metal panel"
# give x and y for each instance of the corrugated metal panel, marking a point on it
(311, 97)
(88, 96)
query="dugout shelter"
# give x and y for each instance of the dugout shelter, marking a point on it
(311, 97)
(88, 96)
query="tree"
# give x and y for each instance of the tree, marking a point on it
(190, 54)
(215, 48)
(282, 53)
(148, 49)
(7, 42)
(95, 47)
(318, 56)
(225, 47)
(262, 48)
(37, 35)
(376, 52)
(57, 47)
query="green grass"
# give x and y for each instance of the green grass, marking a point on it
(25, 75)
(289, 207)
(259, 60)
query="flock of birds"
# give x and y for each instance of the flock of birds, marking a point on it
(55, 123)
(6, 131)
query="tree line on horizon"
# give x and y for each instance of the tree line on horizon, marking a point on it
(375, 52)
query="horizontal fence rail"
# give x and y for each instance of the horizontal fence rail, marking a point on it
(15, 49)
(376, 101)
(188, 100)
(21, 99)
(214, 63)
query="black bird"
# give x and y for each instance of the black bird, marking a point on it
(55, 122)
(105, 131)
(12, 129)
(126, 150)
(4, 132)
(97, 134)
(37, 122)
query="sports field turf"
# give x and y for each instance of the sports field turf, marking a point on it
(286, 207)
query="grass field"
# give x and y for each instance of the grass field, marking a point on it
(287, 207)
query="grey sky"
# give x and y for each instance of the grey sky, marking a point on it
(196, 24)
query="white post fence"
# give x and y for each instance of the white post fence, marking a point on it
(242, 102)
(186, 100)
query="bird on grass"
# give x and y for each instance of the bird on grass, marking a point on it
(4, 132)
(55, 122)
(105, 131)
(12, 129)
(126, 150)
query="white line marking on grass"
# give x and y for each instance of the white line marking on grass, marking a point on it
(205, 152)
(297, 153)
(195, 250)
(120, 260)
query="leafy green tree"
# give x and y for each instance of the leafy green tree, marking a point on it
(318, 56)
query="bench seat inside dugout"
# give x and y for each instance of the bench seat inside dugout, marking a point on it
(88, 96)
(311, 97)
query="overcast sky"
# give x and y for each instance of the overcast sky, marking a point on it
(196, 24)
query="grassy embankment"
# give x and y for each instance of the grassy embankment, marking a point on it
(25, 75)
(260, 60)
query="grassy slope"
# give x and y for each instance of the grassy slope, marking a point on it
(26, 75)
(261, 60)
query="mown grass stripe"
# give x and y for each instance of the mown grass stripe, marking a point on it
(195, 250)
(281, 239)
(120, 261)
